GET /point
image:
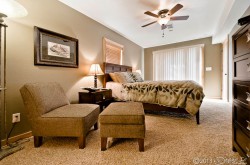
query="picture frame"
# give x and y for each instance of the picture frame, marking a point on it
(54, 49)
(248, 35)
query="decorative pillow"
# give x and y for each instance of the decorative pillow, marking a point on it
(124, 77)
(120, 77)
(130, 76)
(113, 77)
(137, 77)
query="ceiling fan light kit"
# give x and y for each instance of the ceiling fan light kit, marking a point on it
(164, 16)
(164, 20)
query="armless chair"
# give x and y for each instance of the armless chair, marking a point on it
(51, 114)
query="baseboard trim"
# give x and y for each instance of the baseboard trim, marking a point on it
(17, 137)
(213, 98)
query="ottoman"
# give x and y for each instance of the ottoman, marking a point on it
(123, 120)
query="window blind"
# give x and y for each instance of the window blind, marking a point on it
(112, 52)
(184, 63)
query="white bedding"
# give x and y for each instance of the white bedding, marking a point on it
(183, 94)
(117, 90)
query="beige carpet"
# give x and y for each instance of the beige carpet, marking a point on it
(169, 140)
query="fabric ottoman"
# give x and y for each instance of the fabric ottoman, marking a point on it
(123, 120)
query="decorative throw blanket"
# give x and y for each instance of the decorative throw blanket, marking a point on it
(182, 94)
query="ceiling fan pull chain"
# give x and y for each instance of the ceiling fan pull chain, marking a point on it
(163, 33)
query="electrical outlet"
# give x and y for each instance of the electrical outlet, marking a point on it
(16, 117)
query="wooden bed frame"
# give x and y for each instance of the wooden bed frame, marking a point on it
(110, 68)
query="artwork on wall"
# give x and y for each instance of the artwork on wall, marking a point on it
(248, 35)
(54, 49)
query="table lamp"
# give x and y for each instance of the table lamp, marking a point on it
(95, 70)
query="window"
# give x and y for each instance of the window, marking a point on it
(112, 51)
(184, 63)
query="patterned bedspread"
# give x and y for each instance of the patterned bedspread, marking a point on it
(183, 94)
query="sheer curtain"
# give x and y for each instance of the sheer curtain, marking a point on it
(185, 63)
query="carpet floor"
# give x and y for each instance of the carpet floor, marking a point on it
(170, 139)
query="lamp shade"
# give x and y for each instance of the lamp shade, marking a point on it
(95, 69)
(138, 71)
(11, 8)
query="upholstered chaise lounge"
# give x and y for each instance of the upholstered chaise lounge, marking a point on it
(50, 113)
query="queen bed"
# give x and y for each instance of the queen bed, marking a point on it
(173, 96)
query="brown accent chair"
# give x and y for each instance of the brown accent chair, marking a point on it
(51, 114)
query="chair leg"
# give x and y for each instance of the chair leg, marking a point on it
(38, 141)
(198, 117)
(82, 142)
(141, 145)
(103, 143)
(96, 126)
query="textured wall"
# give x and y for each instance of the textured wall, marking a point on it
(57, 17)
(212, 58)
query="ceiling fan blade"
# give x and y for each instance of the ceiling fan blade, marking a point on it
(149, 24)
(176, 18)
(175, 9)
(151, 14)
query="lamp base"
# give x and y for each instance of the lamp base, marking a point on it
(95, 81)
(9, 150)
(12, 148)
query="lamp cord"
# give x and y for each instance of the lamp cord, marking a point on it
(7, 139)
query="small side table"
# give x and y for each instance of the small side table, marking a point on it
(100, 97)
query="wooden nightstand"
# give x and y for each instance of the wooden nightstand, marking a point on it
(101, 97)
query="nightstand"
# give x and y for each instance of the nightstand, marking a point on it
(100, 97)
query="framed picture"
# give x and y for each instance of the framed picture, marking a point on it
(54, 49)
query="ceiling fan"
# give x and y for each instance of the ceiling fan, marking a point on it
(165, 15)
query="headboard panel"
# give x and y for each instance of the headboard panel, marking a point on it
(110, 68)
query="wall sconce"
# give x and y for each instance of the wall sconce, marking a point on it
(95, 70)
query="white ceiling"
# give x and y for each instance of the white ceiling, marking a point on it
(206, 18)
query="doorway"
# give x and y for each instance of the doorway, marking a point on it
(225, 76)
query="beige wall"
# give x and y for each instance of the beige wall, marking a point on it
(212, 82)
(55, 16)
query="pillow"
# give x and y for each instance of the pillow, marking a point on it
(120, 77)
(113, 77)
(137, 77)
(124, 77)
(129, 77)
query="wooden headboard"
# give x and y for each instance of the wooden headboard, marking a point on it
(110, 68)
